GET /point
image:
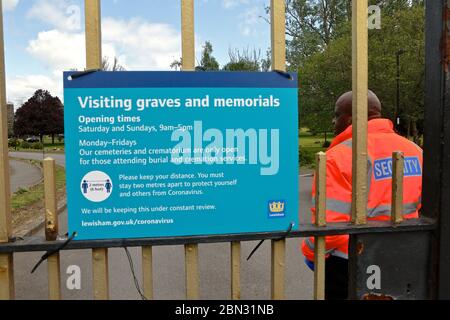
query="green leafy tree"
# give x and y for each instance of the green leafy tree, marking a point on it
(327, 74)
(243, 61)
(402, 31)
(311, 25)
(324, 77)
(208, 62)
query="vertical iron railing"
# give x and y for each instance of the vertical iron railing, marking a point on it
(100, 265)
(359, 118)
(278, 31)
(52, 228)
(319, 242)
(6, 260)
(188, 64)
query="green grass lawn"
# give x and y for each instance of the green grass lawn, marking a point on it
(309, 146)
(27, 196)
(49, 147)
(313, 144)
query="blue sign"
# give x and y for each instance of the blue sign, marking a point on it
(159, 154)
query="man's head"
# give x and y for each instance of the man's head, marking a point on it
(343, 110)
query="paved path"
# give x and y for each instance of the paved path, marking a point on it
(169, 268)
(23, 175)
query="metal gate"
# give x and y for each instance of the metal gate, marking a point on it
(419, 251)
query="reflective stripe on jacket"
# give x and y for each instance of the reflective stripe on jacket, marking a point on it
(382, 142)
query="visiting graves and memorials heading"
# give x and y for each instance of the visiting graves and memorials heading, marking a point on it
(162, 154)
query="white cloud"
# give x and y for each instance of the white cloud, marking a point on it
(230, 4)
(9, 5)
(138, 45)
(21, 88)
(59, 14)
(248, 20)
(59, 50)
(141, 45)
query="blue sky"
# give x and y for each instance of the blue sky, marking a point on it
(45, 37)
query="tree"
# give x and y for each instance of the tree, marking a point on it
(327, 74)
(114, 66)
(177, 64)
(323, 78)
(311, 25)
(244, 61)
(390, 7)
(41, 115)
(239, 60)
(208, 62)
(266, 64)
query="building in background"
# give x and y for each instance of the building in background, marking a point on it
(10, 111)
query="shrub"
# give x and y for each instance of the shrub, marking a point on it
(326, 144)
(37, 146)
(305, 158)
(13, 143)
(25, 145)
(21, 191)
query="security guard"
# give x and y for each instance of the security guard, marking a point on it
(382, 142)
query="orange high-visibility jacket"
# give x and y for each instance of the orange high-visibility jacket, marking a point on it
(382, 142)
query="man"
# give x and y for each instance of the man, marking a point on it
(382, 142)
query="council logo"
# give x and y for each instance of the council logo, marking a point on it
(277, 209)
(96, 186)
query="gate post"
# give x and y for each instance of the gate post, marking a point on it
(52, 228)
(6, 260)
(93, 34)
(444, 218)
(321, 221)
(436, 183)
(188, 61)
(94, 61)
(278, 21)
(360, 90)
(188, 35)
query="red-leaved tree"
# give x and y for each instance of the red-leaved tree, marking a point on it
(41, 115)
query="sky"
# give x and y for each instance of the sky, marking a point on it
(43, 38)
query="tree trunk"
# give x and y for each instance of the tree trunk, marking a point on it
(408, 129)
(414, 131)
(53, 138)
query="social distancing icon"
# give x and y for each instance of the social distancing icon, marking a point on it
(96, 186)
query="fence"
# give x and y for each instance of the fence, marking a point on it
(359, 225)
